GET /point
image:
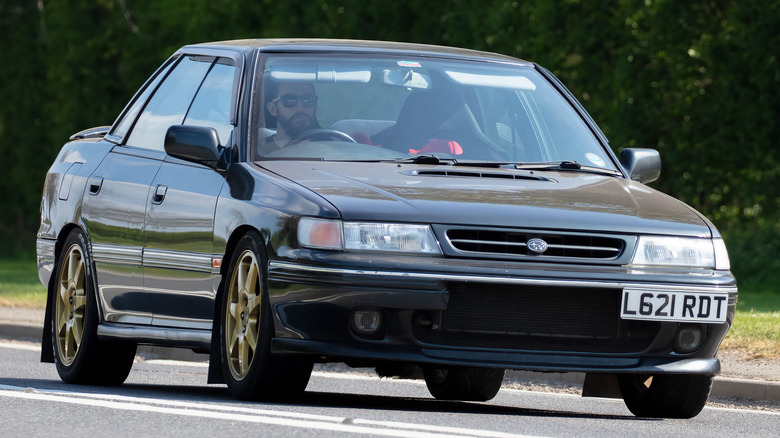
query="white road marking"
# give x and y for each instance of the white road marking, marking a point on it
(345, 376)
(20, 346)
(178, 363)
(250, 415)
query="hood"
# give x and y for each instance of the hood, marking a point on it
(437, 194)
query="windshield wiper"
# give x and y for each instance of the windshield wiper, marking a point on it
(551, 165)
(433, 159)
(565, 165)
(424, 159)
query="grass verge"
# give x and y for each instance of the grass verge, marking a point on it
(756, 330)
(19, 284)
(755, 333)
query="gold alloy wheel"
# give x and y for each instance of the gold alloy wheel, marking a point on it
(71, 305)
(242, 316)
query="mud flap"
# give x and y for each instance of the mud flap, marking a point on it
(47, 349)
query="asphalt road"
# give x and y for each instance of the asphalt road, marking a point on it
(165, 398)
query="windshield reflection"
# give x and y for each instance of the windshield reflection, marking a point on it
(378, 109)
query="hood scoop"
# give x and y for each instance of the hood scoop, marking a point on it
(527, 176)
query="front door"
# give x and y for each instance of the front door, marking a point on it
(180, 275)
(180, 272)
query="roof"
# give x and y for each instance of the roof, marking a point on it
(357, 46)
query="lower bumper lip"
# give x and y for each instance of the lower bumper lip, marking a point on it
(517, 361)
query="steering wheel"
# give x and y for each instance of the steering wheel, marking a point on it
(321, 134)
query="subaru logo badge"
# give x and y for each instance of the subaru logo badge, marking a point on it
(537, 245)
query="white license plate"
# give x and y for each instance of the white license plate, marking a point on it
(674, 306)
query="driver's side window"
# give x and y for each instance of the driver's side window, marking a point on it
(169, 104)
(211, 106)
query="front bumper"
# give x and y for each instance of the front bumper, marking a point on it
(362, 355)
(540, 317)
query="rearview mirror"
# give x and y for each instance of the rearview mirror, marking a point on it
(406, 78)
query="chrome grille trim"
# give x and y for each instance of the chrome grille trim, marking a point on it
(511, 244)
(523, 244)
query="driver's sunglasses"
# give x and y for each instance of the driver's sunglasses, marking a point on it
(291, 100)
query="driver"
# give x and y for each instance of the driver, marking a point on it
(294, 106)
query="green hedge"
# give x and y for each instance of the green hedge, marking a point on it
(697, 80)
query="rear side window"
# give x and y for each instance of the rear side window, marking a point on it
(169, 104)
(132, 113)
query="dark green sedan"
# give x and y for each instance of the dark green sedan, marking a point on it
(425, 211)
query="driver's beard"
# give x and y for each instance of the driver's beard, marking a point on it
(294, 126)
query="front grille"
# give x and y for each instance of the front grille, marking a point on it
(514, 244)
(537, 318)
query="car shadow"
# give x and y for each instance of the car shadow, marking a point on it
(418, 404)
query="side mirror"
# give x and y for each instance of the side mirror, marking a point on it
(198, 144)
(643, 165)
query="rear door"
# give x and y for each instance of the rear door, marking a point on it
(114, 212)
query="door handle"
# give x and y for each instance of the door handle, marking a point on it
(95, 183)
(159, 194)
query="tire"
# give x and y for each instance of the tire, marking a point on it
(246, 328)
(665, 395)
(468, 384)
(79, 355)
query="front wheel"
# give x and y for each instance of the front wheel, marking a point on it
(468, 384)
(246, 329)
(79, 355)
(665, 395)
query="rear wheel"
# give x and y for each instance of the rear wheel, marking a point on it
(665, 395)
(246, 329)
(469, 384)
(78, 354)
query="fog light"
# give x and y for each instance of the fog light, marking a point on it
(366, 322)
(688, 339)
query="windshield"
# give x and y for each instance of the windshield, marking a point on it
(389, 108)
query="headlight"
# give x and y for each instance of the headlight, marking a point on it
(675, 251)
(367, 236)
(370, 236)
